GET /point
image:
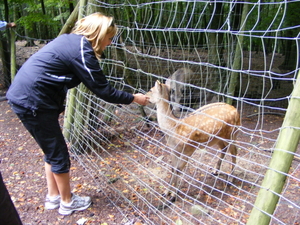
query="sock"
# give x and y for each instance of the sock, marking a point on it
(53, 198)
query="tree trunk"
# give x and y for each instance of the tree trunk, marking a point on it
(5, 61)
(71, 6)
(13, 63)
(291, 49)
(43, 7)
(5, 54)
(290, 52)
(237, 57)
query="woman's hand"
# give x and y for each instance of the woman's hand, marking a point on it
(141, 99)
(11, 25)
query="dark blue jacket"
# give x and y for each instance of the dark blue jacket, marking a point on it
(43, 80)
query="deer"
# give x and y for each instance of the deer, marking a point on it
(212, 124)
(176, 84)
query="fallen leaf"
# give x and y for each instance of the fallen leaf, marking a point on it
(81, 221)
(179, 222)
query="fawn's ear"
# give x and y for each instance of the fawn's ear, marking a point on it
(158, 85)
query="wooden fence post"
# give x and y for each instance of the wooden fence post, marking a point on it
(280, 163)
(71, 100)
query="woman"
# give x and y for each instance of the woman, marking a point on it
(39, 90)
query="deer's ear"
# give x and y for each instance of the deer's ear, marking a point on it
(158, 85)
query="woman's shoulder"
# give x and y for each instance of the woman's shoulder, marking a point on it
(72, 40)
(69, 37)
(64, 43)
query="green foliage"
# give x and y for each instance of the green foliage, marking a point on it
(29, 21)
(57, 3)
(191, 20)
(63, 15)
(29, 16)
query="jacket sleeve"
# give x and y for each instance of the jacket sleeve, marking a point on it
(3, 25)
(86, 67)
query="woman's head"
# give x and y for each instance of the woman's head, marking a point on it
(98, 29)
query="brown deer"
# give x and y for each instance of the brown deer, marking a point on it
(212, 124)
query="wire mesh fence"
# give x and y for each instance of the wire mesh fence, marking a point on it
(251, 46)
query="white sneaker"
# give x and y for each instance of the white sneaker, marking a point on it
(77, 204)
(52, 202)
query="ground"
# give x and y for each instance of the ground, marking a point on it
(23, 173)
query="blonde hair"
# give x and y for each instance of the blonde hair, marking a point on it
(95, 27)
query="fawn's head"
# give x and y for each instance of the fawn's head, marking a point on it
(159, 92)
